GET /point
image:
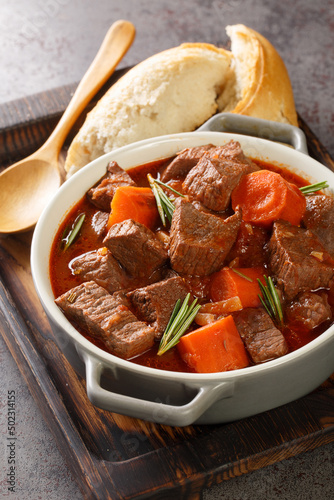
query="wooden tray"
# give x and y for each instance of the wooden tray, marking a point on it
(112, 456)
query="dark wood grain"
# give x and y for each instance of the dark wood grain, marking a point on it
(113, 456)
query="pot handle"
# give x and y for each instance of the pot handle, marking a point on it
(153, 411)
(257, 127)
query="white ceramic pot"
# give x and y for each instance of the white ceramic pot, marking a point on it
(169, 397)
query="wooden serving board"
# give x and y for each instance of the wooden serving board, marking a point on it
(113, 456)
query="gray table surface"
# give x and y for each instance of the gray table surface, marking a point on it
(49, 43)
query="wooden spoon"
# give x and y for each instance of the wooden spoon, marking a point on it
(27, 186)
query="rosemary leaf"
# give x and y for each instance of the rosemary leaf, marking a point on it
(167, 201)
(241, 274)
(174, 313)
(270, 300)
(180, 320)
(276, 300)
(313, 188)
(158, 181)
(74, 231)
(154, 188)
(267, 299)
(187, 322)
(165, 205)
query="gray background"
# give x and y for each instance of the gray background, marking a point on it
(49, 43)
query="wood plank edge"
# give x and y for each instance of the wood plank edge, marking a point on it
(193, 486)
(308, 424)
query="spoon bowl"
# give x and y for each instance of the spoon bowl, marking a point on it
(27, 186)
(25, 189)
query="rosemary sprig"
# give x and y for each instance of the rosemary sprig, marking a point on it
(165, 205)
(312, 188)
(270, 300)
(180, 320)
(74, 231)
(236, 271)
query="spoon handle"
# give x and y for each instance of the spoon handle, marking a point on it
(114, 46)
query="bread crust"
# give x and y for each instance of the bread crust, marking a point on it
(178, 89)
(266, 90)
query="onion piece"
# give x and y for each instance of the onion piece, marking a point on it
(222, 307)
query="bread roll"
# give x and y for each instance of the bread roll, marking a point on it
(178, 89)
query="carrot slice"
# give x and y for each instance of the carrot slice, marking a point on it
(265, 196)
(228, 283)
(136, 203)
(215, 347)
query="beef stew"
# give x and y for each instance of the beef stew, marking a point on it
(135, 265)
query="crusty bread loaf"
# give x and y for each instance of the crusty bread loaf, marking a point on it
(180, 88)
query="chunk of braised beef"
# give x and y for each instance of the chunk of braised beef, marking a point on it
(232, 151)
(136, 248)
(100, 266)
(188, 158)
(261, 338)
(100, 222)
(319, 218)
(212, 181)
(155, 303)
(219, 170)
(249, 249)
(106, 317)
(184, 162)
(199, 241)
(309, 309)
(298, 260)
(102, 194)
